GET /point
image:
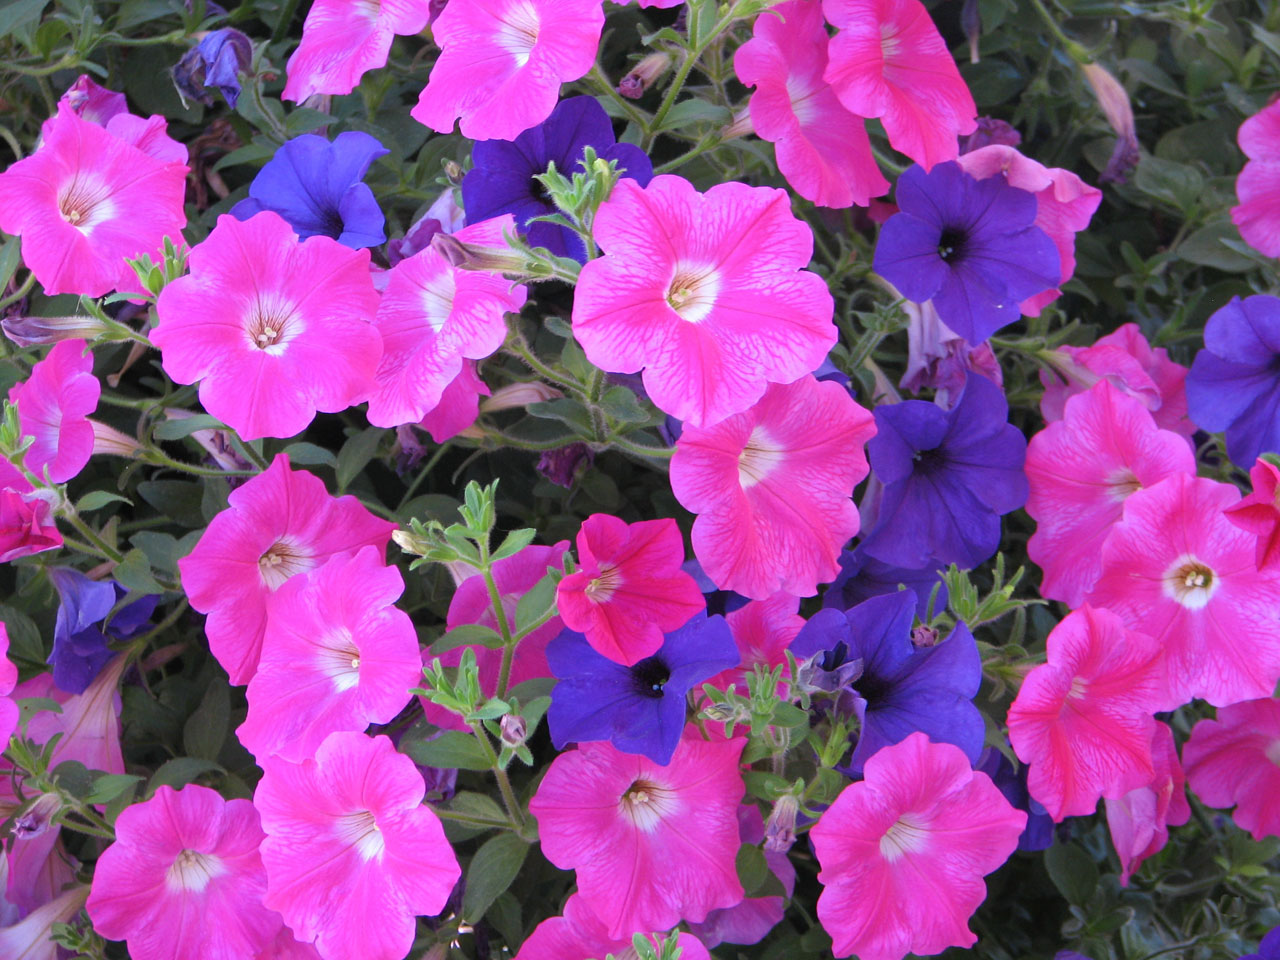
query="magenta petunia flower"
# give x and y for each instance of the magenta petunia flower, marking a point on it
(54, 404)
(87, 200)
(1235, 761)
(889, 61)
(352, 853)
(502, 62)
(1259, 513)
(273, 329)
(629, 589)
(904, 851)
(1080, 471)
(88, 724)
(26, 517)
(1084, 720)
(687, 293)
(763, 630)
(342, 40)
(184, 879)
(8, 680)
(1259, 181)
(822, 148)
(579, 935)
(459, 404)
(1140, 820)
(336, 655)
(432, 316)
(772, 488)
(1176, 568)
(651, 844)
(281, 523)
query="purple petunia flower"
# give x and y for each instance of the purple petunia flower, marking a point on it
(863, 577)
(502, 179)
(214, 63)
(971, 246)
(318, 188)
(641, 708)
(948, 477)
(1268, 949)
(901, 689)
(1234, 383)
(79, 647)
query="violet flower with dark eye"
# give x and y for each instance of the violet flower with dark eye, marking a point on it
(318, 188)
(639, 709)
(79, 647)
(214, 63)
(971, 246)
(502, 179)
(948, 477)
(901, 688)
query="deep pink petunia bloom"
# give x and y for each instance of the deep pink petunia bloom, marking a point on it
(26, 517)
(273, 329)
(459, 405)
(352, 854)
(1177, 569)
(93, 102)
(8, 680)
(342, 40)
(579, 935)
(822, 148)
(336, 655)
(1080, 470)
(772, 488)
(763, 630)
(282, 522)
(1131, 365)
(502, 62)
(1140, 820)
(432, 316)
(285, 947)
(54, 404)
(687, 293)
(1259, 513)
(1258, 185)
(89, 723)
(629, 589)
(28, 939)
(650, 844)
(904, 851)
(110, 110)
(515, 576)
(87, 200)
(1235, 761)
(184, 879)
(889, 61)
(1084, 720)
(1064, 204)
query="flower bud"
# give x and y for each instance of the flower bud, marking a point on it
(780, 828)
(35, 819)
(642, 76)
(112, 442)
(740, 127)
(513, 729)
(38, 331)
(515, 395)
(1115, 105)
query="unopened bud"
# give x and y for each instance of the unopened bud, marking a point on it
(406, 541)
(642, 76)
(1116, 107)
(780, 828)
(515, 395)
(740, 127)
(35, 820)
(475, 256)
(453, 171)
(513, 729)
(38, 331)
(112, 442)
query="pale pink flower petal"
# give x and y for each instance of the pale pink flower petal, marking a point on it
(687, 293)
(54, 404)
(89, 723)
(1140, 820)
(28, 939)
(1235, 761)
(772, 488)
(1258, 186)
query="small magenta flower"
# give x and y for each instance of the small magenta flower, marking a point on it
(1231, 762)
(54, 404)
(1259, 513)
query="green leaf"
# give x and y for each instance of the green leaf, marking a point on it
(97, 499)
(304, 120)
(179, 500)
(1177, 184)
(1072, 871)
(451, 750)
(180, 771)
(621, 404)
(15, 15)
(752, 868)
(356, 454)
(309, 455)
(688, 112)
(206, 728)
(491, 709)
(505, 917)
(516, 541)
(134, 574)
(109, 786)
(25, 642)
(28, 707)
(536, 602)
(164, 550)
(10, 256)
(479, 805)
(466, 635)
(1206, 248)
(567, 411)
(74, 777)
(492, 869)
(186, 426)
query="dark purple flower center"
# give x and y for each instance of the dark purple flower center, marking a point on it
(930, 461)
(650, 676)
(951, 244)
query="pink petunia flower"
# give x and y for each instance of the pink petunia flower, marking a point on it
(93, 102)
(342, 40)
(502, 62)
(629, 589)
(1259, 182)
(8, 680)
(273, 329)
(432, 316)
(763, 630)
(822, 148)
(184, 879)
(772, 488)
(281, 523)
(1084, 720)
(578, 935)
(88, 724)
(1259, 513)
(38, 865)
(687, 293)
(650, 844)
(87, 200)
(110, 111)
(28, 939)
(352, 854)
(459, 405)
(285, 947)
(889, 61)
(1131, 365)
(54, 404)
(1140, 820)
(1176, 568)
(1064, 204)
(1235, 761)
(515, 576)
(26, 517)
(904, 851)
(336, 655)
(1080, 471)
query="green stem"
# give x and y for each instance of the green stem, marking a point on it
(286, 18)
(507, 440)
(21, 292)
(702, 146)
(1077, 53)
(155, 456)
(516, 344)
(642, 449)
(423, 473)
(109, 552)
(472, 821)
(7, 135)
(682, 75)
(246, 450)
(602, 84)
(65, 63)
(509, 800)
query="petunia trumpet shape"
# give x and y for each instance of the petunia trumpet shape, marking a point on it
(184, 879)
(54, 404)
(685, 294)
(28, 939)
(1259, 181)
(772, 488)
(904, 851)
(1235, 761)
(651, 844)
(1259, 513)
(1140, 820)
(352, 854)
(629, 590)
(1085, 719)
